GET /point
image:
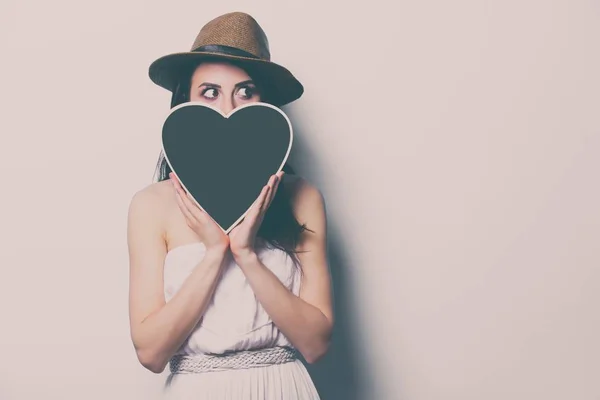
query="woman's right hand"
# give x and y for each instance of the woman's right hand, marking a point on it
(208, 231)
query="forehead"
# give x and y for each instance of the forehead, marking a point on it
(219, 71)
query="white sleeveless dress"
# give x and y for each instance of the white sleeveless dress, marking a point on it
(235, 320)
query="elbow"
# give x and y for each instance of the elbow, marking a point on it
(319, 347)
(151, 362)
(157, 368)
(315, 353)
(314, 356)
(148, 354)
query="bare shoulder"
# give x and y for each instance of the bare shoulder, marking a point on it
(150, 203)
(308, 202)
(153, 194)
(301, 188)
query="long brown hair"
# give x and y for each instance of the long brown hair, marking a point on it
(279, 228)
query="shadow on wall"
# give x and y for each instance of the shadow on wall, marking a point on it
(341, 373)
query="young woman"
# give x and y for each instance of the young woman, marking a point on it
(230, 313)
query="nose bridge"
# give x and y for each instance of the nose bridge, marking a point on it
(228, 104)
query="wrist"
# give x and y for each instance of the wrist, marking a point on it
(244, 256)
(216, 251)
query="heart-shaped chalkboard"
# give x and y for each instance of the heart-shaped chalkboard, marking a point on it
(223, 161)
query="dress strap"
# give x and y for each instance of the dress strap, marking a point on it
(196, 363)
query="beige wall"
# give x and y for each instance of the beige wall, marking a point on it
(456, 144)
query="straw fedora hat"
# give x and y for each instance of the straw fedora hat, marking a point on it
(236, 37)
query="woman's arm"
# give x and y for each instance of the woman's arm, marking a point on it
(158, 329)
(306, 320)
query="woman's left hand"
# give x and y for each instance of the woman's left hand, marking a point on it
(242, 237)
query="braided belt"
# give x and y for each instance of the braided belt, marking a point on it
(197, 363)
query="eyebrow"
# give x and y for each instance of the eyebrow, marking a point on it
(219, 86)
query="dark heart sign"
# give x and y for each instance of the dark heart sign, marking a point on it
(223, 161)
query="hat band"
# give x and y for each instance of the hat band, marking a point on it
(227, 50)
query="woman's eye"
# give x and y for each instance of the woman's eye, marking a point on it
(210, 93)
(246, 92)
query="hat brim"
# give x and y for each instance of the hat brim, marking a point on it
(281, 85)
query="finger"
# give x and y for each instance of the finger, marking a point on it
(198, 213)
(189, 202)
(192, 202)
(192, 212)
(256, 207)
(275, 188)
(254, 211)
(174, 179)
(177, 185)
(271, 184)
(265, 201)
(184, 209)
(272, 191)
